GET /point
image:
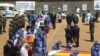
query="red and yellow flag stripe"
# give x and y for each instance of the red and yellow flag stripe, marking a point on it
(67, 53)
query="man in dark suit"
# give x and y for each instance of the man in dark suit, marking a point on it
(53, 19)
(17, 48)
(8, 48)
(68, 34)
(76, 33)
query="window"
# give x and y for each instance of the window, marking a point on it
(3, 8)
(11, 8)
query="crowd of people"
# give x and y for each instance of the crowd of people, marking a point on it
(39, 25)
(73, 30)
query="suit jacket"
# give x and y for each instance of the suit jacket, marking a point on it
(8, 50)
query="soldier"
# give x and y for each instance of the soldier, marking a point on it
(20, 22)
(13, 25)
(4, 23)
(47, 24)
(40, 43)
(95, 49)
(75, 53)
(56, 46)
(28, 16)
(1, 15)
(32, 18)
(23, 22)
(91, 29)
(11, 31)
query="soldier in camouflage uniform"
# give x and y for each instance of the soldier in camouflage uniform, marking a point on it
(15, 24)
(1, 15)
(23, 22)
(11, 30)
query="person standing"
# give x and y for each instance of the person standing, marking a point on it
(39, 47)
(54, 21)
(59, 17)
(83, 18)
(96, 16)
(76, 35)
(0, 25)
(95, 49)
(69, 19)
(91, 26)
(17, 48)
(1, 17)
(75, 18)
(4, 23)
(11, 32)
(88, 16)
(47, 22)
(8, 48)
(68, 34)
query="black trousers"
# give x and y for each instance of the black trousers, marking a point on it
(69, 40)
(4, 27)
(0, 29)
(77, 41)
(83, 20)
(54, 25)
(59, 20)
(96, 19)
(91, 36)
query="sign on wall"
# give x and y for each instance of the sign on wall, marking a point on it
(84, 6)
(45, 7)
(65, 7)
(25, 5)
(96, 4)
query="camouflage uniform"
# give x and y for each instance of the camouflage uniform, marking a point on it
(1, 21)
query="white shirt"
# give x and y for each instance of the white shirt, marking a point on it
(88, 15)
(78, 10)
(37, 24)
(23, 51)
(25, 32)
(15, 41)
